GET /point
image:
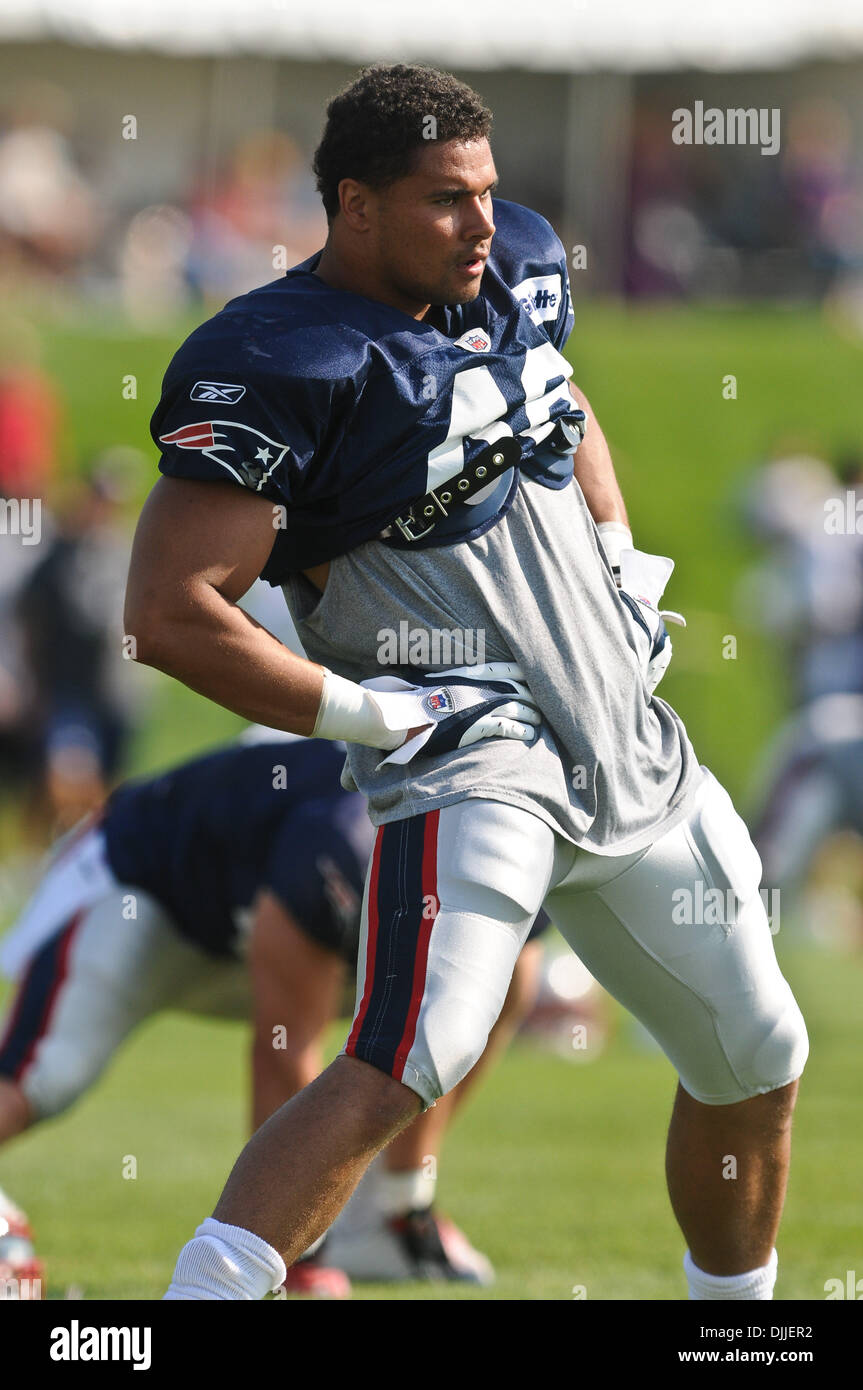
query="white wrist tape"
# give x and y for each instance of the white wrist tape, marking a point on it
(615, 537)
(349, 712)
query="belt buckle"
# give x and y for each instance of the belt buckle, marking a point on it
(406, 523)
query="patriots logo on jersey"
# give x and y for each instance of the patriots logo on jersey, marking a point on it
(440, 701)
(214, 438)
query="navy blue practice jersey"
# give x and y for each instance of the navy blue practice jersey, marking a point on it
(205, 836)
(343, 411)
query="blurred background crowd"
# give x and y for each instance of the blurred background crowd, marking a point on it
(141, 187)
(701, 221)
(155, 162)
(66, 705)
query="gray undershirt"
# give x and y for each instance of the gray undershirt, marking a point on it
(612, 768)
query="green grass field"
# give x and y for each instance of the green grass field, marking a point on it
(556, 1169)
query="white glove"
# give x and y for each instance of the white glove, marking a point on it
(451, 709)
(615, 537)
(643, 579)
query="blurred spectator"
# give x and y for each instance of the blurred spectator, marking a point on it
(18, 740)
(809, 593)
(30, 414)
(48, 215)
(818, 174)
(663, 234)
(263, 215)
(70, 611)
(153, 256)
(715, 220)
(29, 436)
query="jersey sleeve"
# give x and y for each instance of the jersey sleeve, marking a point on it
(562, 325)
(553, 296)
(262, 434)
(533, 262)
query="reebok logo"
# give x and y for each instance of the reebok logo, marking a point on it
(220, 391)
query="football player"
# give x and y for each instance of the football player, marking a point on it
(168, 899)
(388, 432)
(808, 594)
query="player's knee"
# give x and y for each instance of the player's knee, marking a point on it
(776, 1049)
(462, 1004)
(57, 1081)
(784, 1050)
(475, 943)
(455, 1037)
(439, 1059)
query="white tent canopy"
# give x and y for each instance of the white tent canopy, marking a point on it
(558, 36)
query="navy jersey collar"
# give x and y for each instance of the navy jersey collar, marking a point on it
(307, 268)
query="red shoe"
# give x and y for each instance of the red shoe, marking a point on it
(308, 1279)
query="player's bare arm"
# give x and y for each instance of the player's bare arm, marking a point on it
(191, 562)
(197, 550)
(594, 469)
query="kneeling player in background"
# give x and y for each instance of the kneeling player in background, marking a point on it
(806, 594)
(229, 886)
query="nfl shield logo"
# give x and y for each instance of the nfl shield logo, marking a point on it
(474, 340)
(439, 702)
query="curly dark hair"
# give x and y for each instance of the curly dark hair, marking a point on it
(376, 126)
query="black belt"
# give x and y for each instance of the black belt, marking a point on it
(423, 515)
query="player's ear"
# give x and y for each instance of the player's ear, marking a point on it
(354, 204)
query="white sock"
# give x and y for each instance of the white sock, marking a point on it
(756, 1284)
(407, 1191)
(226, 1262)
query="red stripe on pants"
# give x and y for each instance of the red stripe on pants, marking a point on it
(62, 970)
(430, 909)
